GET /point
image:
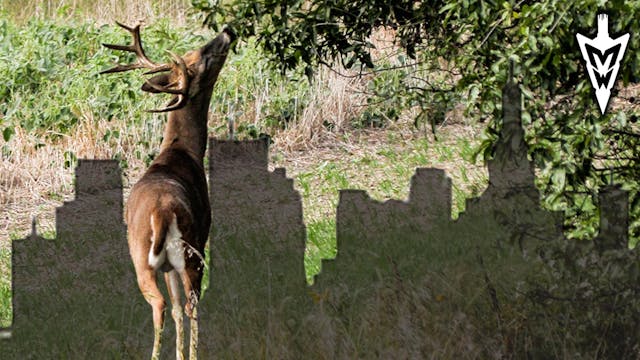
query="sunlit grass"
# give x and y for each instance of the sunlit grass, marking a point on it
(6, 310)
(60, 109)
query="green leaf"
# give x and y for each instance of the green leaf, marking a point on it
(558, 177)
(8, 132)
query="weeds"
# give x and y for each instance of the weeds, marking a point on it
(58, 109)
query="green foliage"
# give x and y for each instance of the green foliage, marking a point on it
(287, 106)
(461, 52)
(249, 89)
(386, 100)
(5, 288)
(584, 301)
(321, 238)
(51, 80)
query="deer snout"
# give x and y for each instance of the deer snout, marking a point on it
(229, 31)
(219, 46)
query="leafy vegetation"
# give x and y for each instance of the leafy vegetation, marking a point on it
(52, 81)
(458, 52)
(445, 53)
(5, 287)
(54, 90)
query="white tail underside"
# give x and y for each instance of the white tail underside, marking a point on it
(173, 249)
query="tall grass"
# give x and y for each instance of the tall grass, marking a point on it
(105, 11)
(5, 288)
(57, 108)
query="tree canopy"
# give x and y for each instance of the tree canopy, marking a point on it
(457, 52)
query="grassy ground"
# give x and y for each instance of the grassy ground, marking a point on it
(382, 163)
(38, 160)
(56, 109)
(100, 11)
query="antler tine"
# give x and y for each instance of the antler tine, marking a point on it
(182, 92)
(183, 80)
(176, 103)
(161, 68)
(180, 87)
(136, 47)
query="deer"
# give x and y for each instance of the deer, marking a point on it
(168, 214)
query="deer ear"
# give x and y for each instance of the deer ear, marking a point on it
(157, 82)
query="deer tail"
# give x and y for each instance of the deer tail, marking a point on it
(160, 222)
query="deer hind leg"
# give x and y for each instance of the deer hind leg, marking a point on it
(191, 279)
(149, 289)
(173, 286)
(193, 336)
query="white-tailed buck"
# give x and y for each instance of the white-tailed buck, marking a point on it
(168, 213)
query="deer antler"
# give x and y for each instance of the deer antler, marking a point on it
(143, 62)
(136, 47)
(181, 92)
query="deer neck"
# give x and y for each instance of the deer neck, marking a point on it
(187, 128)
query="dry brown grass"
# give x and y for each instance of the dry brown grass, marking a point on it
(34, 180)
(334, 101)
(103, 12)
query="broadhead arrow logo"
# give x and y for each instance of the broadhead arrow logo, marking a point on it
(602, 56)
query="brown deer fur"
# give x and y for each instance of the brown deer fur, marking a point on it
(168, 213)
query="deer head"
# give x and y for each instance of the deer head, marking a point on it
(186, 76)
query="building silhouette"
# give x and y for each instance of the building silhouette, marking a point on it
(76, 296)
